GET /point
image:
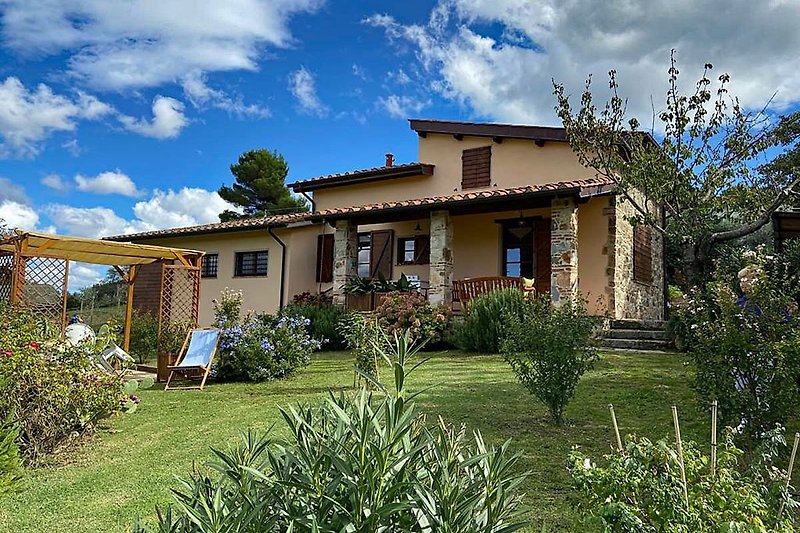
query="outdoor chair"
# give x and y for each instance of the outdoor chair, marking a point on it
(195, 358)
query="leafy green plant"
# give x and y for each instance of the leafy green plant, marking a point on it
(358, 285)
(549, 348)
(640, 489)
(130, 388)
(173, 335)
(323, 322)
(481, 328)
(362, 334)
(144, 336)
(355, 463)
(10, 462)
(400, 311)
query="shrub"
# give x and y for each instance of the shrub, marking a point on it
(401, 311)
(144, 336)
(549, 348)
(259, 347)
(363, 336)
(49, 390)
(323, 322)
(481, 328)
(640, 490)
(10, 462)
(354, 463)
(312, 298)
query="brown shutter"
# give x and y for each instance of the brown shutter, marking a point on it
(422, 250)
(475, 167)
(642, 254)
(542, 243)
(381, 254)
(325, 258)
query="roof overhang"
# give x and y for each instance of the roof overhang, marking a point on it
(363, 176)
(494, 131)
(94, 251)
(469, 203)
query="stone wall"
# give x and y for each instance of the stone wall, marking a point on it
(345, 258)
(633, 299)
(441, 259)
(563, 250)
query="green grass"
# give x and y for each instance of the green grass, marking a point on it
(128, 469)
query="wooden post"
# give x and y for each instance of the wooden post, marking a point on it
(616, 427)
(131, 280)
(679, 444)
(714, 439)
(789, 471)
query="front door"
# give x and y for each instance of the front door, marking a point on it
(526, 250)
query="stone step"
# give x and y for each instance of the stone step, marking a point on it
(637, 345)
(642, 334)
(637, 324)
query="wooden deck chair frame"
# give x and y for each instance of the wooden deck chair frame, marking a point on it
(183, 370)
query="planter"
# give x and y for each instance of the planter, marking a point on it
(361, 302)
(165, 360)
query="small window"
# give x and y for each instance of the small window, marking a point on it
(413, 250)
(209, 266)
(251, 263)
(476, 166)
(642, 254)
(364, 254)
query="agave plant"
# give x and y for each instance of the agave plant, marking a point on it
(361, 463)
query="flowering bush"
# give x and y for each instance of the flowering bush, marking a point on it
(259, 347)
(411, 311)
(49, 390)
(324, 318)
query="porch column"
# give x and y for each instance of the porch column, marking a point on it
(345, 258)
(441, 259)
(563, 250)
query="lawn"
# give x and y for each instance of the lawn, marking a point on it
(129, 467)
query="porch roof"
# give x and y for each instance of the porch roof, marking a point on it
(470, 201)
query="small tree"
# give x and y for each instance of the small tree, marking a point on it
(549, 348)
(260, 187)
(704, 172)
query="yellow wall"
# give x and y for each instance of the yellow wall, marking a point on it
(514, 163)
(260, 294)
(301, 259)
(593, 255)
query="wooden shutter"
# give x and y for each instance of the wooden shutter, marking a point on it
(381, 254)
(642, 254)
(542, 243)
(475, 167)
(422, 250)
(325, 258)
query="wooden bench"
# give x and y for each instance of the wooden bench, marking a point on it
(467, 289)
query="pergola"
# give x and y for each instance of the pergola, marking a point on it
(34, 271)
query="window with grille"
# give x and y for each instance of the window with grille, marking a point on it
(251, 263)
(642, 254)
(209, 266)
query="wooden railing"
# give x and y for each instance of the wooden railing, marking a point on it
(467, 289)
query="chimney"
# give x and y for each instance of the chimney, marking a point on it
(389, 159)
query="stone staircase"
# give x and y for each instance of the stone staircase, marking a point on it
(636, 335)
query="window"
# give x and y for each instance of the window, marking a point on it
(364, 254)
(325, 258)
(251, 263)
(413, 250)
(209, 266)
(476, 167)
(518, 250)
(642, 254)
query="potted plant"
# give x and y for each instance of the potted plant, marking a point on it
(360, 294)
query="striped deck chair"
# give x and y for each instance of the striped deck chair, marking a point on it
(196, 356)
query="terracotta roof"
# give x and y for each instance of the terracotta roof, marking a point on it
(217, 227)
(584, 188)
(483, 129)
(361, 176)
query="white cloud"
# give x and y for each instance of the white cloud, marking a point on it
(201, 95)
(18, 216)
(141, 43)
(28, 117)
(508, 77)
(113, 182)
(54, 181)
(164, 209)
(167, 123)
(303, 87)
(11, 191)
(402, 106)
(83, 275)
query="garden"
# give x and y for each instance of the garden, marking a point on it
(410, 419)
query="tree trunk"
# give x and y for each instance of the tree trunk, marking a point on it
(697, 263)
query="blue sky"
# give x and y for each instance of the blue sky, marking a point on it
(121, 116)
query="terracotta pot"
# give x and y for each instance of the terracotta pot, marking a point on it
(165, 360)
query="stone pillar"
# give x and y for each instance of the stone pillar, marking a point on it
(345, 258)
(564, 250)
(441, 259)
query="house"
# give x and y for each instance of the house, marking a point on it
(483, 200)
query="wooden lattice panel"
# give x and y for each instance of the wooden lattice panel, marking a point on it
(42, 286)
(6, 276)
(180, 297)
